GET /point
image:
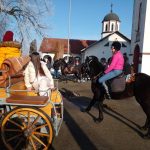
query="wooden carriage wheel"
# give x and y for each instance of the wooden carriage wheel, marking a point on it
(26, 128)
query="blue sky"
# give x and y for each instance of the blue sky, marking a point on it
(86, 18)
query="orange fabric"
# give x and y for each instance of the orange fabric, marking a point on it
(12, 66)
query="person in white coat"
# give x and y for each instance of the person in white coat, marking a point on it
(37, 76)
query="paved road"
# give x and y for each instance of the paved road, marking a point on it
(118, 131)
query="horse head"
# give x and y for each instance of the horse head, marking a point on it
(94, 67)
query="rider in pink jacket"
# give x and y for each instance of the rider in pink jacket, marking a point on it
(117, 62)
(115, 68)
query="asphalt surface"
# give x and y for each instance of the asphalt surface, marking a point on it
(118, 131)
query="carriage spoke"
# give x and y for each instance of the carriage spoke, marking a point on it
(41, 134)
(28, 118)
(14, 137)
(21, 116)
(18, 143)
(12, 130)
(37, 139)
(18, 125)
(39, 127)
(32, 142)
(35, 121)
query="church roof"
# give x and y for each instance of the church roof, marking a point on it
(111, 16)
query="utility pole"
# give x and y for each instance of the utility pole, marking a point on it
(69, 17)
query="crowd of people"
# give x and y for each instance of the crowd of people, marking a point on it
(38, 72)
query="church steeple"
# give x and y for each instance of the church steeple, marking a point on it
(110, 23)
(111, 7)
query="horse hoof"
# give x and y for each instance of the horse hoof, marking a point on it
(85, 110)
(146, 136)
(97, 120)
(105, 105)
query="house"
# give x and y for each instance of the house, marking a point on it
(140, 44)
(110, 33)
(58, 48)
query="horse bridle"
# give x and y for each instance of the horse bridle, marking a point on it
(88, 67)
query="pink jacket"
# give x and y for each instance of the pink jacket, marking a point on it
(117, 62)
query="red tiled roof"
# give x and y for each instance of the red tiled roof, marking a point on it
(53, 45)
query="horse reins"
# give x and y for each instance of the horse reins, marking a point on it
(97, 75)
(89, 69)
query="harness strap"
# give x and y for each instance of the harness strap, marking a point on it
(97, 75)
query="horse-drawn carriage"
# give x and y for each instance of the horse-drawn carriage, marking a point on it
(27, 120)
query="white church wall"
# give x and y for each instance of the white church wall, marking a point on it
(144, 32)
(99, 50)
(146, 43)
(135, 18)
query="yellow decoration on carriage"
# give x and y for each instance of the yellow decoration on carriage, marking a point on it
(8, 50)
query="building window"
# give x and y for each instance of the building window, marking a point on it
(106, 27)
(107, 44)
(123, 45)
(112, 27)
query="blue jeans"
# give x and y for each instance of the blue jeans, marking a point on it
(109, 75)
(56, 74)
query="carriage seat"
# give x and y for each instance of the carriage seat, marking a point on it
(33, 100)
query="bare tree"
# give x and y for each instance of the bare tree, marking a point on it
(25, 16)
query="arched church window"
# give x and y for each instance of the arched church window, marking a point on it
(106, 27)
(112, 27)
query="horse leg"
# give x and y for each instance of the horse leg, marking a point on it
(78, 77)
(88, 108)
(100, 110)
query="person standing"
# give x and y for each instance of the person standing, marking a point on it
(115, 68)
(37, 76)
(56, 67)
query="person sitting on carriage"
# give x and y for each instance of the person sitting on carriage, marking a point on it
(37, 76)
(115, 68)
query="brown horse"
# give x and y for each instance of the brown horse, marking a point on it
(69, 68)
(139, 87)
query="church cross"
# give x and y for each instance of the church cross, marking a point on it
(111, 7)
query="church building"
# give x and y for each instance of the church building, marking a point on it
(140, 43)
(110, 32)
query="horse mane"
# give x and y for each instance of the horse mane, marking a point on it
(95, 65)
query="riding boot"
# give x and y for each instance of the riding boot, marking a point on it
(107, 91)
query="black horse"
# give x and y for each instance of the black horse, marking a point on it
(139, 87)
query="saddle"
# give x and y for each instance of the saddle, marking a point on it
(117, 84)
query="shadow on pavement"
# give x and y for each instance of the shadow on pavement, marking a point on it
(81, 138)
(82, 102)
